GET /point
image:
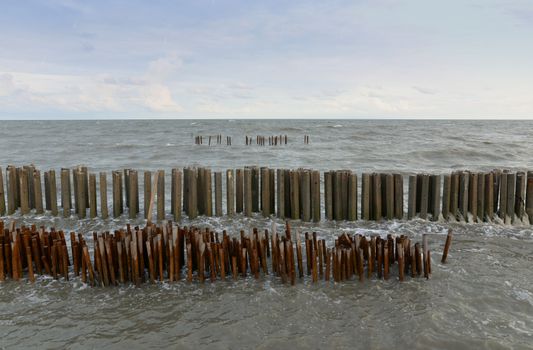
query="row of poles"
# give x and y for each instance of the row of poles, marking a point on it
(298, 194)
(171, 253)
(275, 140)
(217, 140)
(260, 140)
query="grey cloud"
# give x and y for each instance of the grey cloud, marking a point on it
(425, 91)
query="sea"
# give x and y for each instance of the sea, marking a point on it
(482, 298)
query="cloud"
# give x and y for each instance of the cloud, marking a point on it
(424, 90)
(7, 86)
(158, 98)
(163, 68)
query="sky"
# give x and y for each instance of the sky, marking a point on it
(70, 59)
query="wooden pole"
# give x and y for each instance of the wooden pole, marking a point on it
(511, 187)
(398, 196)
(81, 195)
(152, 198)
(503, 196)
(147, 192)
(92, 196)
(176, 195)
(529, 196)
(480, 197)
(74, 172)
(192, 205)
(305, 192)
(337, 195)
(435, 196)
(315, 195)
(218, 193)
(280, 193)
(133, 193)
(37, 192)
(230, 193)
(24, 193)
(328, 194)
(454, 194)
(65, 192)
(389, 196)
(295, 194)
(117, 203)
(11, 189)
(344, 194)
(103, 196)
(239, 191)
(265, 191)
(208, 194)
(352, 196)
(255, 189)
(248, 192)
(376, 196)
(272, 188)
(366, 192)
(472, 191)
(424, 196)
(161, 195)
(53, 192)
(446, 196)
(489, 196)
(2, 198)
(520, 195)
(447, 246)
(464, 178)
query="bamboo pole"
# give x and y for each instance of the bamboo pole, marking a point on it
(161, 195)
(352, 197)
(511, 187)
(176, 195)
(295, 194)
(389, 196)
(305, 192)
(92, 196)
(37, 192)
(218, 193)
(447, 246)
(230, 193)
(65, 192)
(132, 191)
(398, 196)
(239, 188)
(24, 193)
(446, 196)
(328, 195)
(53, 192)
(147, 192)
(435, 196)
(2, 197)
(366, 193)
(81, 194)
(247, 192)
(265, 191)
(315, 195)
(104, 213)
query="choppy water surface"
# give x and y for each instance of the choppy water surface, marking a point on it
(482, 298)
